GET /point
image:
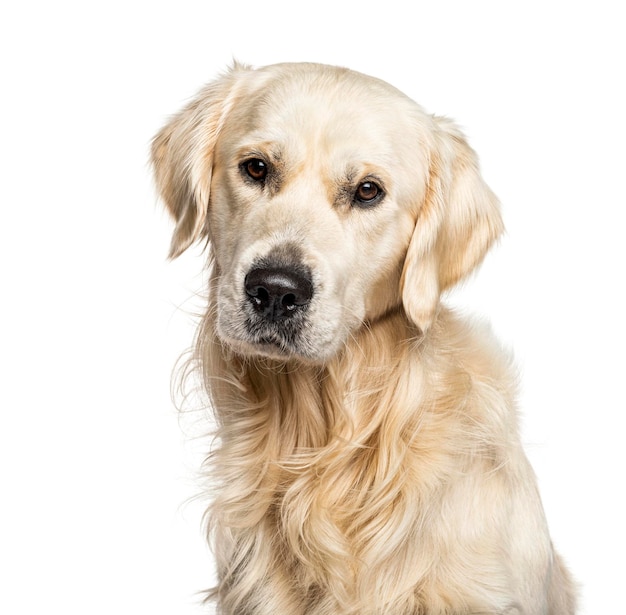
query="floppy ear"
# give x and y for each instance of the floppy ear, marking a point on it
(182, 158)
(457, 223)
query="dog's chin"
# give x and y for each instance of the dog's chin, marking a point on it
(278, 350)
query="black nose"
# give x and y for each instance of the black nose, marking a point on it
(278, 292)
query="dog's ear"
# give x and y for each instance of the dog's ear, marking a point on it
(182, 157)
(457, 223)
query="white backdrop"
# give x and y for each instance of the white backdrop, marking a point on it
(95, 465)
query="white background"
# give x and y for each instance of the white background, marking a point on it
(95, 464)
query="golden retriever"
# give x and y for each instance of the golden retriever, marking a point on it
(369, 459)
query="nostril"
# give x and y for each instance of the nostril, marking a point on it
(289, 301)
(258, 294)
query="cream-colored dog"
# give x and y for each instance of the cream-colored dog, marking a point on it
(369, 461)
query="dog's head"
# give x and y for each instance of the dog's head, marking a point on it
(329, 198)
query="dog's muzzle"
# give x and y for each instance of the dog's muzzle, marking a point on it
(276, 312)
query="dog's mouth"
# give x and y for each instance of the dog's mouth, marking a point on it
(254, 329)
(276, 336)
(273, 345)
(280, 308)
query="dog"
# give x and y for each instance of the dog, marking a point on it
(369, 460)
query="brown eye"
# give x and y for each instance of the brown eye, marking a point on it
(368, 193)
(256, 169)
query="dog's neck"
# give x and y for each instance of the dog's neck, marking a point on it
(319, 402)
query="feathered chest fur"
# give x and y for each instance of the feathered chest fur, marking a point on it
(328, 473)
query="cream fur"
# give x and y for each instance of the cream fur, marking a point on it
(370, 462)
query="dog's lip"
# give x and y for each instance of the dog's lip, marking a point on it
(271, 337)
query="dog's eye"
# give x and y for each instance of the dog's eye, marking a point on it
(256, 169)
(368, 193)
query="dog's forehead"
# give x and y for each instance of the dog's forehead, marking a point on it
(333, 103)
(325, 109)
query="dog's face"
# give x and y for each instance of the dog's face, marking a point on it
(329, 199)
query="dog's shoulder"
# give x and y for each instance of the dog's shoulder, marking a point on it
(464, 361)
(469, 343)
